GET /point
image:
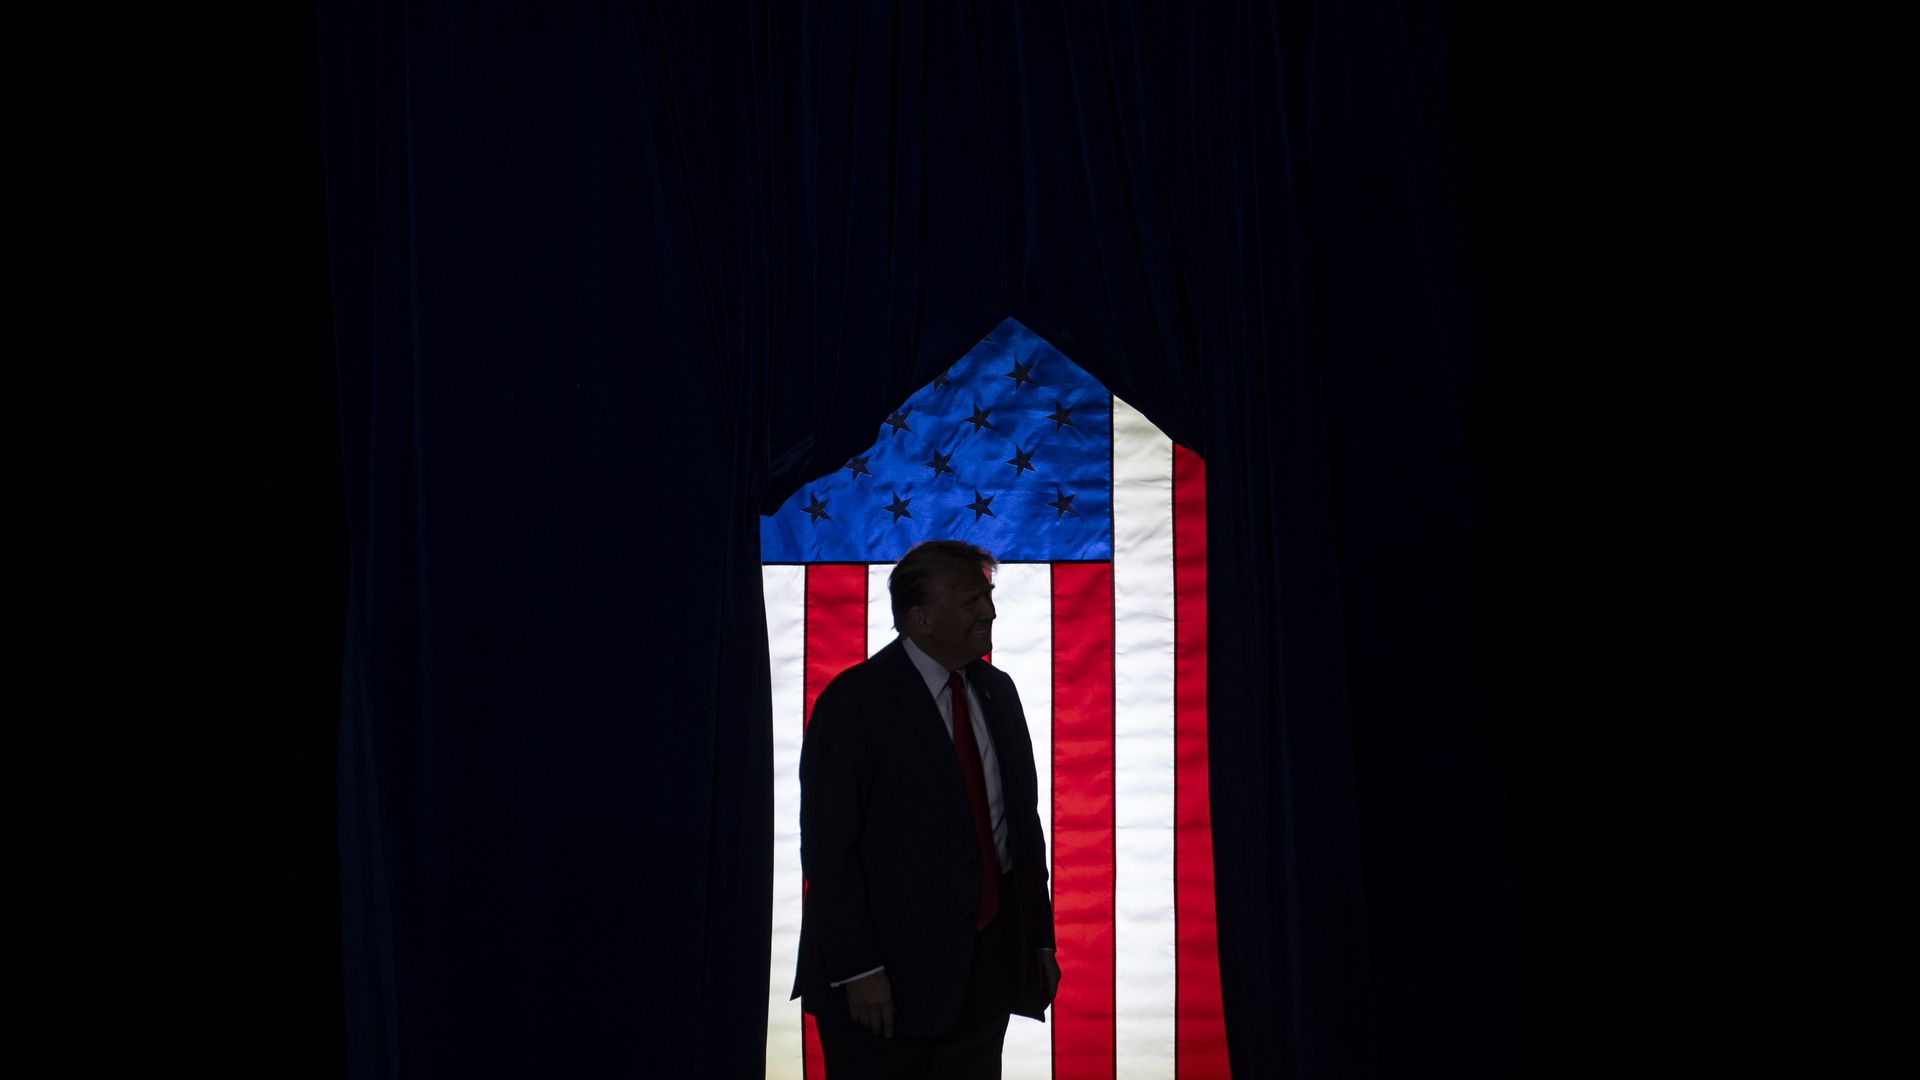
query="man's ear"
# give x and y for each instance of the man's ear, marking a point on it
(916, 620)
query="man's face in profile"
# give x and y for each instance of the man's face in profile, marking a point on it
(955, 625)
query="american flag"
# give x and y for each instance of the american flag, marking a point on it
(1100, 525)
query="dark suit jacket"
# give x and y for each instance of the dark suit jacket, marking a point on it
(887, 843)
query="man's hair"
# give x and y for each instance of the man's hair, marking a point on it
(911, 582)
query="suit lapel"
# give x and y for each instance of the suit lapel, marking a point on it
(929, 735)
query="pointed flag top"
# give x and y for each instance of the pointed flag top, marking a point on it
(1040, 463)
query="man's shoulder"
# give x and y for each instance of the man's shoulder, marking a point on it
(984, 673)
(876, 673)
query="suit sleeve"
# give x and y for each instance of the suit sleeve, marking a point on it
(1033, 845)
(835, 781)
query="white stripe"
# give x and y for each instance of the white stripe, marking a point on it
(1144, 993)
(1023, 648)
(785, 588)
(880, 631)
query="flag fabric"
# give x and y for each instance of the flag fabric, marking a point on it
(1099, 523)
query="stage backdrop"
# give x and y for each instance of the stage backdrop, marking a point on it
(1099, 522)
(611, 283)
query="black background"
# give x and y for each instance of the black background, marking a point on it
(174, 600)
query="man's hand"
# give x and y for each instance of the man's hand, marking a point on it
(870, 1000)
(1050, 972)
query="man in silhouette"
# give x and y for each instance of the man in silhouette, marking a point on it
(927, 918)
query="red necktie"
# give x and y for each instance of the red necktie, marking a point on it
(971, 771)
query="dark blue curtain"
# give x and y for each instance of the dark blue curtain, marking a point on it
(554, 759)
(604, 283)
(610, 280)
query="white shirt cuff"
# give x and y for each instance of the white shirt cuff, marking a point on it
(857, 978)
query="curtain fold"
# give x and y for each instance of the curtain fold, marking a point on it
(554, 770)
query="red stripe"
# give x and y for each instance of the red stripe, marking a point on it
(1200, 1029)
(1083, 819)
(836, 640)
(836, 623)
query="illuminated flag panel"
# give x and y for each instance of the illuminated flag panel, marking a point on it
(1099, 521)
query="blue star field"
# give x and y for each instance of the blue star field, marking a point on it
(1011, 448)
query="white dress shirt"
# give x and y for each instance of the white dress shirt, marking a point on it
(936, 677)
